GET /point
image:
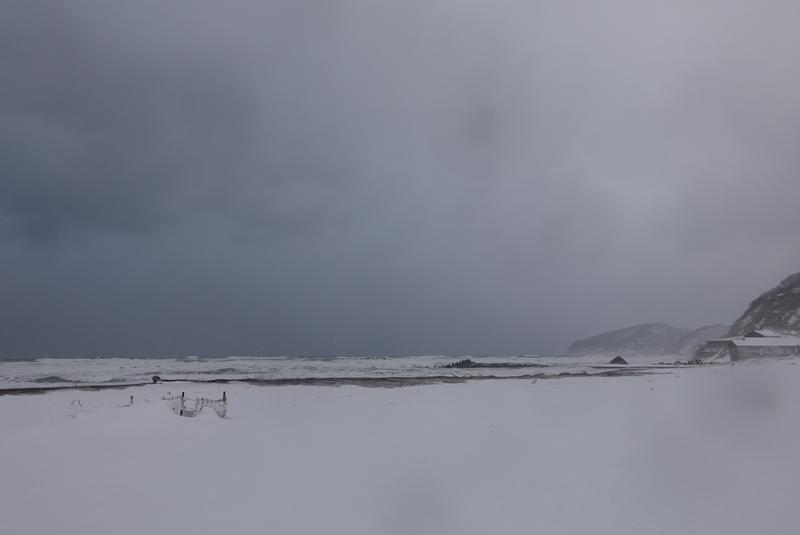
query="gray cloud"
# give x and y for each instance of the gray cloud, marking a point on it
(99, 134)
(316, 177)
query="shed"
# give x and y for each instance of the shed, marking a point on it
(772, 346)
(714, 349)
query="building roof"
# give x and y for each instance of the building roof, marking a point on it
(763, 333)
(771, 341)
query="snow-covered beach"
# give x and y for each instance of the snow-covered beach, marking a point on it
(692, 450)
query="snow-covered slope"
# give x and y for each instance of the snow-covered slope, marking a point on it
(689, 343)
(646, 339)
(777, 309)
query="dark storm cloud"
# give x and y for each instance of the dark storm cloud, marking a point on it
(90, 139)
(379, 177)
(98, 136)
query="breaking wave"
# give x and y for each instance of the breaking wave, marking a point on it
(221, 371)
(47, 379)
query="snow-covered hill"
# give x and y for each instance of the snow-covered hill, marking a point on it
(646, 339)
(777, 309)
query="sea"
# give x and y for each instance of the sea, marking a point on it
(110, 371)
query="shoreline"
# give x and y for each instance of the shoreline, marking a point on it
(367, 382)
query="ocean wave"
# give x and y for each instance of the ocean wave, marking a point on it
(47, 379)
(221, 371)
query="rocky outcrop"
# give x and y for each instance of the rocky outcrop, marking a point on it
(777, 310)
(469, 363)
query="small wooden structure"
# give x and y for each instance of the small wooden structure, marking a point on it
(191, 407)
(772, 346)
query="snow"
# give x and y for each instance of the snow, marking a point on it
(782, 341)
(767, 333)
(694, 450)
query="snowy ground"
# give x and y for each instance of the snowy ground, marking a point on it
(705, 450)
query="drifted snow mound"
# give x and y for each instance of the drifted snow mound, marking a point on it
(777, 310)
(646, 339)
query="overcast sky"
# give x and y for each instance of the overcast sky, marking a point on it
(367, 177)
